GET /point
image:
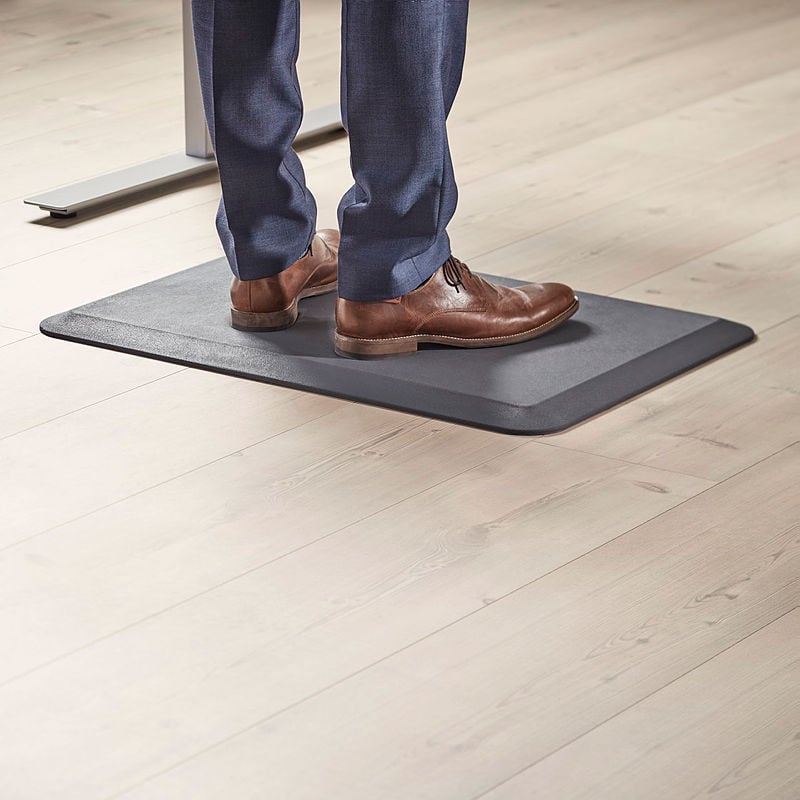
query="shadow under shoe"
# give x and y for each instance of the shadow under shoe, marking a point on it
(453, 307)
(270, 304)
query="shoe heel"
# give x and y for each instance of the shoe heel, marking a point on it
(374, 348)
(256, 322)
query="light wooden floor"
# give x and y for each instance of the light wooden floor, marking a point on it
(216, 589)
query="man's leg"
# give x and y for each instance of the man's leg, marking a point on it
(399, 284)
(247, 53)
(401, 68)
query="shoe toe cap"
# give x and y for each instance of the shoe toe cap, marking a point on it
(554, 297)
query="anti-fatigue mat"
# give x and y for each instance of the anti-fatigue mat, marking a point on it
(609, 351)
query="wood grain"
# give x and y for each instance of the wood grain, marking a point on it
(402, 574)
(9, 335)
(734, 719)
(213, 588)
(748, 401)
(511, 683)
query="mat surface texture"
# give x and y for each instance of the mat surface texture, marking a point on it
(609, 351)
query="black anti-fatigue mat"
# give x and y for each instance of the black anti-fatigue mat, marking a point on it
(608, 351)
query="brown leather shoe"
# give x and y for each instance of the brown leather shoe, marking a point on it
(270, 304)
(454, 307)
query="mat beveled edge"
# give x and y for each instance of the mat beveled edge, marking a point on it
(420, 400)
(718, 337)
(552, 415)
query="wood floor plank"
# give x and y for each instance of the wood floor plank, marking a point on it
(671, 223)
(84, 151)
(458, 712)
(711, 422)
(110, 450)
(585, 110)
(559, 187)
(579, 44)
(755, 280)
(319, 614)
(727, 729)
(29, 235)
(11, 335)
(77, 52)
(106, 264)
(357, 463)
(721, 127)
(58, 24)
(117, 89)
(53, 378)
(503, 214)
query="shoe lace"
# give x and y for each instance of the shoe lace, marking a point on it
(452, 271)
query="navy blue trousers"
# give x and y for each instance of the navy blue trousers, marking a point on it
(400, 70)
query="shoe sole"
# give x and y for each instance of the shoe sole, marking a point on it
(351, 347)
(265, 321)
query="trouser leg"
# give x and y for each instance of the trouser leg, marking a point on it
(247, 54)
(401, 68)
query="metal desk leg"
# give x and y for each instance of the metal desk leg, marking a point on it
(199, 157)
